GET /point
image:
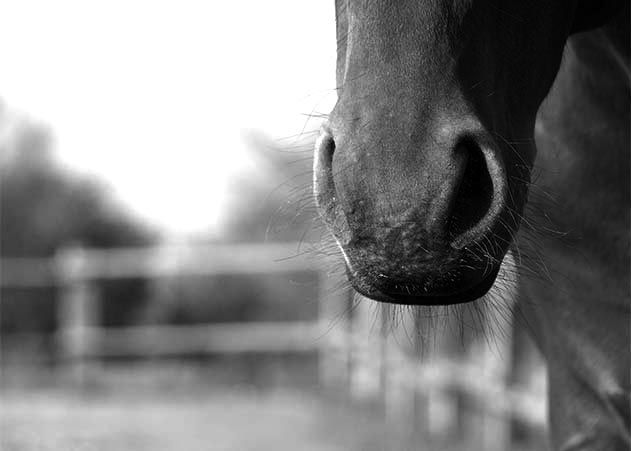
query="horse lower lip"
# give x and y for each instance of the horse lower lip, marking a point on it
(468, 295)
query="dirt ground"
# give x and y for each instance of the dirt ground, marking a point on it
(179, 408)
(44, 421)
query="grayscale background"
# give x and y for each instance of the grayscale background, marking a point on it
(164, 283)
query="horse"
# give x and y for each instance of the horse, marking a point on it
(471, 130)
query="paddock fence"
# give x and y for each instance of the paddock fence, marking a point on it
(364, 348)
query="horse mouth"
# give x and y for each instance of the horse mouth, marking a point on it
(412, 297)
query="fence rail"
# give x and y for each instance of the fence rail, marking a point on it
(368, 360)
(77, 263)
(227, 338)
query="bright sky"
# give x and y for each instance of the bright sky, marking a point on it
(153, 96)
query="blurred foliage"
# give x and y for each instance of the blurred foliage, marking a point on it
(44, 207)
(275, 203)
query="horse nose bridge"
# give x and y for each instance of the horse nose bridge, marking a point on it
(388, 178)
(413, 156)
(404, 119)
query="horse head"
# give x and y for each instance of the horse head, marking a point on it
(423, 168)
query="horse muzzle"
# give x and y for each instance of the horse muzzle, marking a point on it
(429, 228)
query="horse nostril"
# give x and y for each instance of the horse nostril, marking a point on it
(470, 207)
(323, 186)
(325, 148)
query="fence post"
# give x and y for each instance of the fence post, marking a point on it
(334, 305)
(491, 355)
(365, 374)
(420, 413)
(385, 369)
(76, 312)
(497, 359)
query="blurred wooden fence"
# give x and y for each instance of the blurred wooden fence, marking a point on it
(359, 344)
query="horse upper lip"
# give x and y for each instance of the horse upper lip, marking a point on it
(469, 294)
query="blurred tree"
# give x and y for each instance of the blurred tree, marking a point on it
(274, 203)
(43, 207)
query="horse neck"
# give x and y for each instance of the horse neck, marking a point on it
(591, 91)
(583, 159)
(587, 109)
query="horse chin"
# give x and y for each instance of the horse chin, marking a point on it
(456, 295)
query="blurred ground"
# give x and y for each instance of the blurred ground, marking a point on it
(175, 407)
(220, 420)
